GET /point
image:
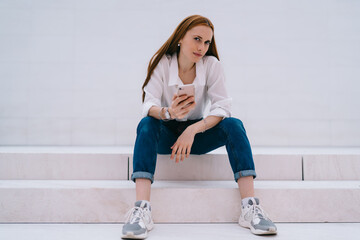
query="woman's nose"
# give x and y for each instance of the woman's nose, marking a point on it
(200, 47)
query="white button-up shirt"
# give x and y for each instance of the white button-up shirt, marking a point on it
(209, 87)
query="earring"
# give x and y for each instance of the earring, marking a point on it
(178, 44)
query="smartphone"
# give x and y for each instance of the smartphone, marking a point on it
(188, 89)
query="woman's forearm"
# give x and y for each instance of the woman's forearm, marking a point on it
(154, 112)
(205, 124)
(200, 126)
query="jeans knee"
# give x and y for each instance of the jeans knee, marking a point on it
(148, 125)
(231, 123)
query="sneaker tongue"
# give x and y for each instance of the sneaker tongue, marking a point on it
(253, 200)
(142, 204)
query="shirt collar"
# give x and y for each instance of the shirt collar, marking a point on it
(174, 78)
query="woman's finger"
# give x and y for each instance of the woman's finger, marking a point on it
(178, 153)
(182, 154)
(192, 106)
(183, 112)
(188, 151)
(183, 109)
(174, 149)
(188, 108)
(186, 103)
(180, 99)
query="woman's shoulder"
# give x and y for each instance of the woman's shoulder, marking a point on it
(163, 63)
(165, 60)
(210, 60)
(211, 63)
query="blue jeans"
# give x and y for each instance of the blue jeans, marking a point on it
(156, 137)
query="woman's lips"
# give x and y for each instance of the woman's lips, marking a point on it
(198, 55)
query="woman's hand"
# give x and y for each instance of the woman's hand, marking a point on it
(181, 106)
(183, 145)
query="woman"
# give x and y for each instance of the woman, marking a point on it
(175, 125)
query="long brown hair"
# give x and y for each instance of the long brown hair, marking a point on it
(171, 45)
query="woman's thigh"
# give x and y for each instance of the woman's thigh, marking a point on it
(166, 140)
(205, 142)
(208, 140)
(229, 130)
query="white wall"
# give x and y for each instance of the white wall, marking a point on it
(71, 71)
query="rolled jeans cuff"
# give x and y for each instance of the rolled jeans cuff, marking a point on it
(142, 175)
(244, 173)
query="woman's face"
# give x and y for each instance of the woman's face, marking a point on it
(196, 42)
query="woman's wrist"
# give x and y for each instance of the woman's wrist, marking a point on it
(200, 126)
(172, 114)
(160, 113)
(205, 126)
(195, 128)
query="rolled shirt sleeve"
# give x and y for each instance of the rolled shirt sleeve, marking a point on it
(217, 93)
(153, 90)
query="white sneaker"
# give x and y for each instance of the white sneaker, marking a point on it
(254, 217)
(138, 221)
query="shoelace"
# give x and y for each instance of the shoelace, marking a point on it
(134, 213)
(257, 209)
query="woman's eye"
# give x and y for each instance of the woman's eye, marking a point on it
(197, 38)
(208, 43)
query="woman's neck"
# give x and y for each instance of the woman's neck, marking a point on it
(184, 65)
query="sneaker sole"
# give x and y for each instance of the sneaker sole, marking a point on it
(257, 231)
(131, 235)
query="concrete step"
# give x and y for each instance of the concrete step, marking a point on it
(331, 166)
(229, 231)
(115, 163)
(100, 201)
(64, 163)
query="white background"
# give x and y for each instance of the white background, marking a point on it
(71, 71)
